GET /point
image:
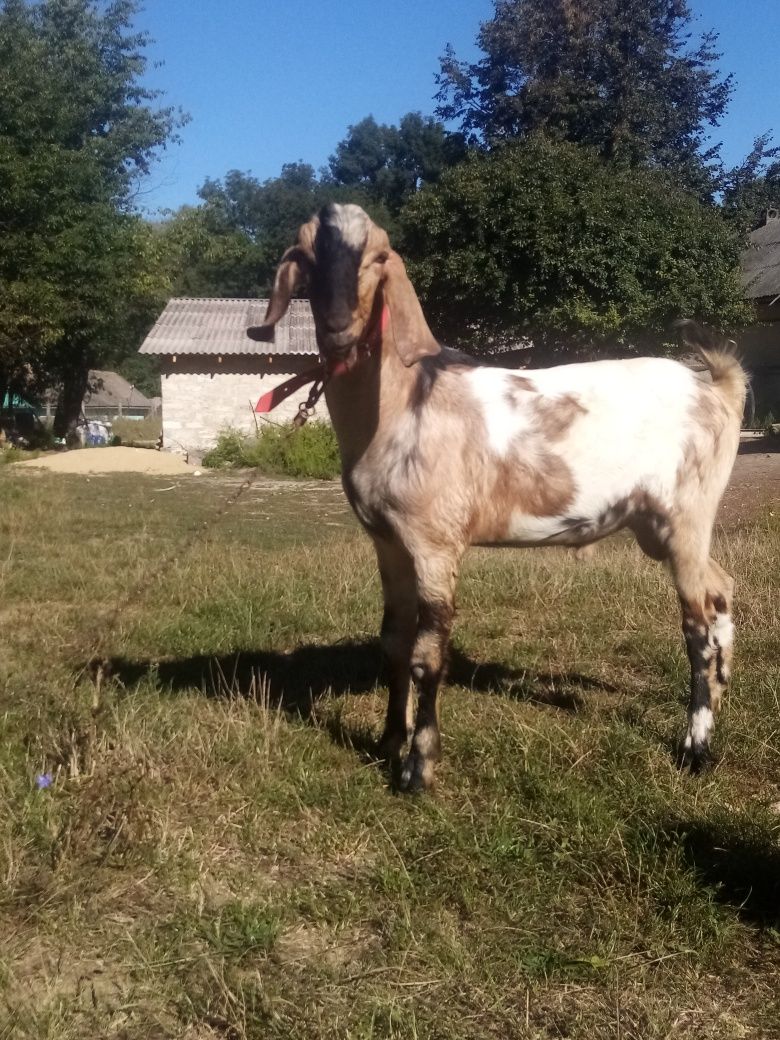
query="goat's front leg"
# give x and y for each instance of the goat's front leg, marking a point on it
(399, 624)
(435, 612)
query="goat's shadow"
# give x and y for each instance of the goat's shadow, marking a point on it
(297, 680)
(760, 446)
(736, 861)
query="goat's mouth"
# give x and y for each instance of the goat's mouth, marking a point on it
(346, 355)
(339, 347)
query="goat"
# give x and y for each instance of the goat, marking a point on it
(440, 452)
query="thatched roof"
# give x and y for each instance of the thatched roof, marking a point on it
(216, 326)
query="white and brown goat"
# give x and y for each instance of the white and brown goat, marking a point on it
(439, 453)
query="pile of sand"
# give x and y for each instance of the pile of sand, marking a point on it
(111, 460)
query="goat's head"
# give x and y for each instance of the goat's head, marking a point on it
(346, 263)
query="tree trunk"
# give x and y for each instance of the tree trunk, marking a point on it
(70, 400)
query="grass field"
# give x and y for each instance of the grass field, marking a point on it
(198, 843)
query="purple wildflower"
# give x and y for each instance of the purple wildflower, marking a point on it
(43, 780)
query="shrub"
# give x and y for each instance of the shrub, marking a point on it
(310, 452)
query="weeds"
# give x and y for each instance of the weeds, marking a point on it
(310, 452)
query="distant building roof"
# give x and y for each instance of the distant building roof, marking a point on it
(214, 326)
(15, 403)
(761, 261)
(112, 390)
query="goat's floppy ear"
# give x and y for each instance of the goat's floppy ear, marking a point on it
(413, 338)
(289, 275)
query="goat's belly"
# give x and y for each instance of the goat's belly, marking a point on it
(523, 530)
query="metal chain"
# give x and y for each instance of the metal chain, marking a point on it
(307, 408)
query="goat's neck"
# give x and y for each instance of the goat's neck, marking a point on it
(363, 402)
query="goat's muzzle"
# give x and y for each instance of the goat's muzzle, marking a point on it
(340, 359)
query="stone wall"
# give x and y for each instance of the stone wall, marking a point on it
(758, 348)
(201, 396)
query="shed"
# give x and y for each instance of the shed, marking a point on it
(760, 344)
(213, 374)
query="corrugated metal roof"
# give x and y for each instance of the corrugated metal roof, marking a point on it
(761, 262)
(215, 326)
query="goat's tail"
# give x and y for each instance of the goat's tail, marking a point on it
(720, 358)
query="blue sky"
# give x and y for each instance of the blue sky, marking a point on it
(269, 83)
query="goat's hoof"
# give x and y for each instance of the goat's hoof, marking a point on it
(416, 774)
(389, 748)
(696, 758)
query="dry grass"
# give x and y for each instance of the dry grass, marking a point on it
(219, 856)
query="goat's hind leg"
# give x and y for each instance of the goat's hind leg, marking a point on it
(705, 598)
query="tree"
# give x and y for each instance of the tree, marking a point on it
(230, 245)
(205, 258)
(620, 76)
(76, 129)
(544, 240)
(753, 187)
(390, 163)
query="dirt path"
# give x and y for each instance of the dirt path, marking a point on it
(754, 484)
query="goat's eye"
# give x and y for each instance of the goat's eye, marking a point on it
(381, 258)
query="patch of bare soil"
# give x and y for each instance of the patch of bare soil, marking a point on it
(110, 460)
(755, 482)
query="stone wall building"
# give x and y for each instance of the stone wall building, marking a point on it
(759, 345)
(213, 374)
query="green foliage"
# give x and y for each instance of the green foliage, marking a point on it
(143, 371)
(545, 240)
(230, 245)
(310, 452)
(753, 187)
(392, 162)
(80, 274)
(617, 75)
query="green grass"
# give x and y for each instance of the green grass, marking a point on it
(218, 855)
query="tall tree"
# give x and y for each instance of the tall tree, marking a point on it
(390, 163)
(543, 241)
(753, 187)
(621, 76)
(77, 128)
